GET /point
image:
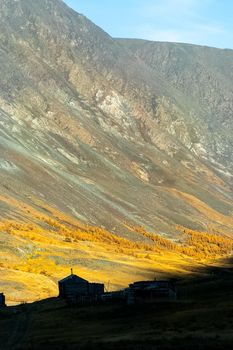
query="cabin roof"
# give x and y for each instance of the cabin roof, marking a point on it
(151, 282)
(73, 277)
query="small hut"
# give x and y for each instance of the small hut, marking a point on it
(2, 300)
(72, 285)
(151, 290)
(75, 289)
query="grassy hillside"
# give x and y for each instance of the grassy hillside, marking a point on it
(36, 255)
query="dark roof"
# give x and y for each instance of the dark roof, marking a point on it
(151, 284)
(73, 277)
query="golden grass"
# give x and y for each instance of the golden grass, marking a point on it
(48, 243)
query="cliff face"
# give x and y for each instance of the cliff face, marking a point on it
(112, 131)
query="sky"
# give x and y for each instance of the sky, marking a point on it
(202, 22)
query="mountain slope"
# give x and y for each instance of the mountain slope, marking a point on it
(112, 133)
(204, 77)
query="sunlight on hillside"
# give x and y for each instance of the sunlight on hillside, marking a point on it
(42, 249)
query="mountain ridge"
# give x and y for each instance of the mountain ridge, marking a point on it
(142, 120)
(108, 132)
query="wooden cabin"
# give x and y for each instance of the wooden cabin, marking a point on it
(72, 285)
(151, 290)
(74, 289)
(2, 300)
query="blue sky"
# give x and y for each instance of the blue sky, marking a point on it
(204, 22)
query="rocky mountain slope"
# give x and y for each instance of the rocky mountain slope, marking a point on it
(114, 133)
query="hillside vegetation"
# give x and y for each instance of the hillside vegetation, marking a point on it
(34, 256)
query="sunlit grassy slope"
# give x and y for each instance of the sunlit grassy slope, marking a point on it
(38, 251)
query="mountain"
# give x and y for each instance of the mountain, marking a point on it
(108, 133)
